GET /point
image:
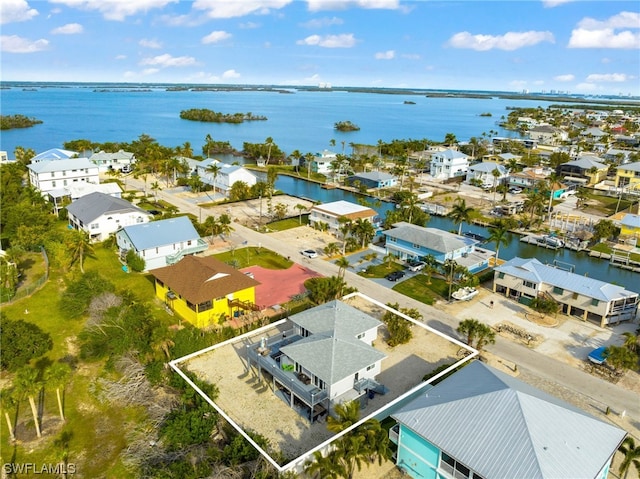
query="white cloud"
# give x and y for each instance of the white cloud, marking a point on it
(249, 25)
(519, 84)
(150, 71)
(116, 9)
(68, 29)
(605, 38)
(592, 33)
(120, 57)
(150, 43)
(230, 74)
(317, 5)
(323, 22)
(586, 87)
(554, 3)
(215, 37)
(388, 55)
(608, 77)
(16, 11)
(167, 60)
(411, 56)
(231, 9)
(345, 40)
(508, 41)
(566, 77)
(16, 44)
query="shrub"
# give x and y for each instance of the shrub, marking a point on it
(134, 261)
(21, 342)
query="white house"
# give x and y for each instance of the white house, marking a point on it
(226, 176)
(161, 243)
(448, 164)
(321, 162)
(54, 154)
(325, 357)
(330, 213)
(484, 172)
(101, 215)
(113, 161)
(548, 135)
(50, 175)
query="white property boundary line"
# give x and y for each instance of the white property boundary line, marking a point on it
(300, 460)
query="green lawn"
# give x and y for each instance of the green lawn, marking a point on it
(243, 257)
(417, 288)
(289, 223)
(381, 270)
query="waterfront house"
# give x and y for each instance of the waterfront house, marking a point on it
(325, 357)
(373, 179)
(586, 170)
(628, 176)
(523, 279)
(484, 173)
(50, 175)
(334, 213)
(161, 243)
(113, 161)
(630, 226)
(205, 291)
(321, 162)
(481, 423)
(54, 154)
(548, 135)
(529, 178)
(226, 176)
(448, 164)
(101, 215)
(617, 155)
(413, 242)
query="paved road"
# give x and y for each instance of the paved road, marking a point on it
(540, 365)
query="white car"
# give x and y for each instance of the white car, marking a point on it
(309, 253)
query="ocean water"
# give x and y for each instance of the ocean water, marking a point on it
(301, 120)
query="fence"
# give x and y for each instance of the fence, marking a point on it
(33, 287)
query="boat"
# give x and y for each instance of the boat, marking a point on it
(329, 186)
(465, 294)
(552, 241)
(475, 236)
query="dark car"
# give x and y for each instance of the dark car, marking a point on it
(395, 276)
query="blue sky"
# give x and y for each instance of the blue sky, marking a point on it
(589, 47)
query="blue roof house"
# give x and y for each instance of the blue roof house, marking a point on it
(161, 243)
(412, 242)
(480, 423)
(373, 179)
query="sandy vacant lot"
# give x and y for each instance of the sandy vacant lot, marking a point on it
(251, 403)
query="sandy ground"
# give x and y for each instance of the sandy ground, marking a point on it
(251, 403)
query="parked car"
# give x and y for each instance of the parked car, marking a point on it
(515, 191)
(416, 265)
(395, 275)
(309, 253)
(597, 355)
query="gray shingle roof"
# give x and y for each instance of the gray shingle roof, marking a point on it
(161, 233)
(432, 238)
(531, 269)
(92, 206)
(503, 428)
(333, 352)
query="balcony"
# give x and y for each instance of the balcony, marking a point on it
(393, 434)
(201, 245)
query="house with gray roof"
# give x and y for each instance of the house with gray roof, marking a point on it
(372, 179)
(113, 161)
(523, 279)
(547, 134)
(226, 176)
(412, 242)
(101, 215)
(481, 423)
(50, 175)
(448, 164)
(161, 243)
(586, 169)
(54, 154)
(325, 358)
(484, 173)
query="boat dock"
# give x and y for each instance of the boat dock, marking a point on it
(546, 241)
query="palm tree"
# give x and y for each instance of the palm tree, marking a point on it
(331, 249)
(469, 327)
(343, 264)
(27, 385)
(485, 336)
(322, 467)
(214, 169)
(460, 213)
(449, 266)
(300, 208)
(155, 187)
(496, 175)
(631, 342)
(431, 266)
(9, 404)
(346, 415)
(620, 358)
(79, 245)
(389, 258)
(269, 142)
(56, 376)
(364, 230)
(631, 456)
(498, 235)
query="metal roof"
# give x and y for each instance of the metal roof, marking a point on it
(343, 208)
(431, 238)
(333, 352)
(503, 428)
(53, 154)
(533, 270)
(161, 233)
(62, 165)
(373, 175)
(90, 207)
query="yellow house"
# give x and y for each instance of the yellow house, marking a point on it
(628, 176)
(204, 291)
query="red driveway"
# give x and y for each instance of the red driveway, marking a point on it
(278, 285)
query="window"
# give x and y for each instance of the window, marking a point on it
(500, 275)
(557, 290)
(369, 368)
(94, 226)
(595, 302)
(453, 467)
(529, 284)
(574, 295)
(360, 336)
(53, 183)
(53, 174)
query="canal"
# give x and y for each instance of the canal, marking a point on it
(580, 262)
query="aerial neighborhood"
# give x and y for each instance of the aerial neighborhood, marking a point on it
(429, 309)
